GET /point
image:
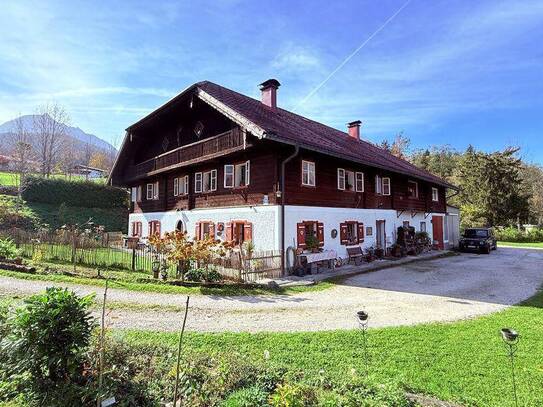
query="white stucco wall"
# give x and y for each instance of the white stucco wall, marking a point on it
(264, 219)
(332, 217)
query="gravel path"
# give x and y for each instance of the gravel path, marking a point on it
(445, 289)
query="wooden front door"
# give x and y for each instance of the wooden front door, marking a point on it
(437, 231)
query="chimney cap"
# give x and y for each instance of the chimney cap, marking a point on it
(270, 83)
(355, 123)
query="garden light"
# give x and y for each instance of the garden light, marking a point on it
(510, 338)
(363, 325)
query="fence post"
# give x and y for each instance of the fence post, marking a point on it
(240, 266)
(133, 258)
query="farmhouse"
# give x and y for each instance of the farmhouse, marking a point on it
(212, 161)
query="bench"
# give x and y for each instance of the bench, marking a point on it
(355, 253)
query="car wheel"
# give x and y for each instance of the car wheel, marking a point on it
(495, 247)
(487, 250)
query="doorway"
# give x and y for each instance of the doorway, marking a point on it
(437, 231)
(380, 234)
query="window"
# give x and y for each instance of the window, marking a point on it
(378, 185)
(205, 181)
(423, 226)
(405, 224)
(239, 231)
(341, 179)
(386, 186)
(179, 226)
(412, 189)
(241, 174)
(136, 229)
(204, 229)
(181, 186)
(359, 182)
(306, 229)
(154, 228)
(136, 194)
(152, 191)
(229, 176)
(351, 232)
(198, 182)
(435, 194)
(308, 173)
(369, 231)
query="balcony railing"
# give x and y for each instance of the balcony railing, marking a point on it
(214, 146)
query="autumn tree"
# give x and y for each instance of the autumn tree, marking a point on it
(22, 153)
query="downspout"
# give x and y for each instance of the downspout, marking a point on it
(282, 221)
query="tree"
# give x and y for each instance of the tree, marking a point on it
(399, 147)
(22, 151)
(439, 160)
(50, 126)
(98, 160)
(532, 178)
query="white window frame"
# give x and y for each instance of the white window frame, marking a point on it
(341, 179)
(386, 184)
(310, 170)
(152, 191)
(435, 194)
(213, 180)
(198, 182)
(175, 186)
(416, 189)
(356, 179)
(378, 185)
(229, 171)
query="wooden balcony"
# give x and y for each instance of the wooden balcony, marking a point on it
(221, 144)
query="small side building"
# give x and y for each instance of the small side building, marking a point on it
(452, 227)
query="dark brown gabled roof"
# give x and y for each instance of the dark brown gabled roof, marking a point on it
(287, 127)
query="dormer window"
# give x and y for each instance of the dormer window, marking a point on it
(412, 189)
(198, 128)
(308, 173)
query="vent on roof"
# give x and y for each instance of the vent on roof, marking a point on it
(354, 129)
(269, 92)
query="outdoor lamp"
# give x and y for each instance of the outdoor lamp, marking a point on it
(509, 336)
(362, 316)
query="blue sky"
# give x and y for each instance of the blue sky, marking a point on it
(443, 72)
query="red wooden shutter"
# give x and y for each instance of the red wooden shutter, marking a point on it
(228, 232)
(343, 235)
(157, 228)
(360, 232)
(197, 231)
(320, 233)
(133, 228)
(247, 231)
(300, 234)
(150, 228)
(212, 230)
(140, 229)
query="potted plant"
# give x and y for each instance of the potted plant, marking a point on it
(312, 244)
(396, 250)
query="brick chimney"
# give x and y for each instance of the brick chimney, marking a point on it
(269, 92)
(354, 129)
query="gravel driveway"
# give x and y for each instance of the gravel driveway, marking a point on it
(444, 289)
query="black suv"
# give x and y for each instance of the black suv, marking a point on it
(478, 239)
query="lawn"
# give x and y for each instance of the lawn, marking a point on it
(463, 361)
(143, 282)
(525, 245)
(8, 179)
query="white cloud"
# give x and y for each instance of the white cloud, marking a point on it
(293, 57)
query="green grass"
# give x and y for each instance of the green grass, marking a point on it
(155, 286)
(8, 179)
(463, 361)
(517, 244)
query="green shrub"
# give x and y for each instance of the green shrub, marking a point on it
(247, 397)
(195, 274)
(74, 193)
(511, 234)
(8, 250)
(44, 351)
(213, 276)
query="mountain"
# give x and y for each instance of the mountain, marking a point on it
(75, 133)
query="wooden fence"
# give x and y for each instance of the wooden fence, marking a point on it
(100, 252)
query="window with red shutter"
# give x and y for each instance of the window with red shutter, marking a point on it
(248, 232)
(300, 234)
(212, 230)
(320, 233)
(229, 231)
(344, 233)
(197, 231)
(360, 232)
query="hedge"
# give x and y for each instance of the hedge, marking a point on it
(85, 194)
(514, 235)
